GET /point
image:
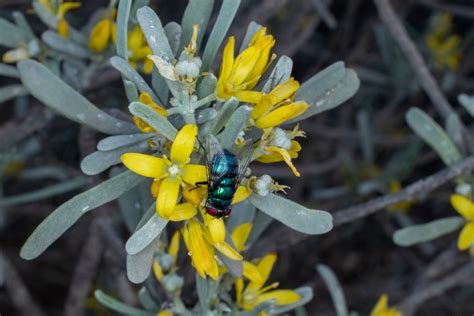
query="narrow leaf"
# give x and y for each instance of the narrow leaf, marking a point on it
(154, 33)
(69, 212)
(123, 14)
(280, 74)
(146, 234)
(114, 142)
(173, 34)
(139, 265)
(467, 101)
(159, 123)
(335, 289)
(292, 214)
(64, 45)
(225, 112)
(11, 92)
(9, 71)
(197, 12)
(235, 124)
(11, 35)
(251, 30)
(118, 306)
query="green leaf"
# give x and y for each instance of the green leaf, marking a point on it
(53, 92)
(260, 223)
(416, 234)
(139, 265)
(292, 214)
(233, 127)
(45, 16)
(11, 35)
(9, 71)
(100, 161)
(327, 89)
(207, 86)
(159, 123)
(154, 33)
(173, 34)
(123, 14)
(64, 45)
(280, 74)
(225, 112)
(160, 85)
(335, 289)
(114, 142)
(197, 12)
(23, 24)
(130, 90)
(454, 130)
(118, 306)
(251, 30)
(131, 74)
(146, 234)
(69, 212)
(467, 102)
(206, 291)
(44, 193)
(219, 31)
(11, 92)
(146, 300)
(428, 130)
(306, 294)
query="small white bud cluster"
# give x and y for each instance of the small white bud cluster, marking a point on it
(188, 66)
(264, 185)
(281, 139)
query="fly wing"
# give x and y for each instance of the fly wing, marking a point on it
(244, 157)
(214, 155)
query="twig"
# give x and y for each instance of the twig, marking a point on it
(422, 186)
(411, 304)
(399, 33)
(19, 294)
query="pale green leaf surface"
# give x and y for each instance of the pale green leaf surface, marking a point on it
(11, 35)
(146, 234)
(467, 101)
(139, 264)
(64, 45)
(118, 306)
(224, 113)
(306, 294)
(233, 127)
(292, 214)
(207, 86)
(173, 34)
(158, 122)
(123, 14)
(197, 12)
(335, 289)
(252, 28)
(114, 142)
(154, 33)
(12, 91)
(280, 74)
(9, 71)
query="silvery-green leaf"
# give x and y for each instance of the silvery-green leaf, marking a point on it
(327, 89)
(207, 86)
(139, 265)
(335, 289)
(225, 112)
(46, 192)
(130, 90)
(159, 123)
(219, 31)
(23, 24)
(262, 307)
(306, 294)
(206, 291)
(251, 30)
(154, 33)
(234, 126)
(137, 4)
(123, 14)
(292, 214)
(131, 74)
(467, 101)
(160, 86)
(100, 161)
(146, 234)
(365, 133)
(53, 92)
(114, 142)
(454, 130)
(11, 35)
(243, 212)
(428, 130)
(197, 12)
(64, 45)
(11, 92)
(280, 74)
(118, 306)
(205, 115)
(9, 71)
(146, 300)
(416, 234)
(261, 222)
(45, 16)
(69, 212)
(131, 206)
(173, 34)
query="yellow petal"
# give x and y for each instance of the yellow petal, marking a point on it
(250, 271)
(216, 228)
(251, 97)
(381, 306)
(142, 53)
(183, 144)
(144, 165)
(463, 206)
(65, 7)
(286, 157)
(262, 31)
(157, 271)
(165, 313)
(241, 194)
(194, 195)
(201, 254)
(155, 188)
(239, 288)
(148, 69)
(193, 174)
(135, 39)
(281, 297)
(281, 115)
(265, 266)
(466, 237)
(100, 35)
(183, 211)
(240, 235)
(264, 45)
(146, 99)
(113, 31)
(227, 60)
(244, 64)
(174, 246)
(63, 28)
(228, 251)
(280, 93)
(167, 197)
(15, 55)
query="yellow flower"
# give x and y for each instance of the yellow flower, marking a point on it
(279, 145)
(382, 309)
(170, 174)
(255, 292)
(465, 207)
(403, 206)
(145, 98)
(277, 106)
(60, 11)
(200, 244)
(15, 55)
(165, 313)
(103, 33)
(238, 76)
(443, 45)
(139, 50)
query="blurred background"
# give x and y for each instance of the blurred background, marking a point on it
(358, 151)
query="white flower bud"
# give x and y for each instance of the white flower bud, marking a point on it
(187, 67)
(281, 139)
(165, 261)
(264, 185)
(172, 282)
